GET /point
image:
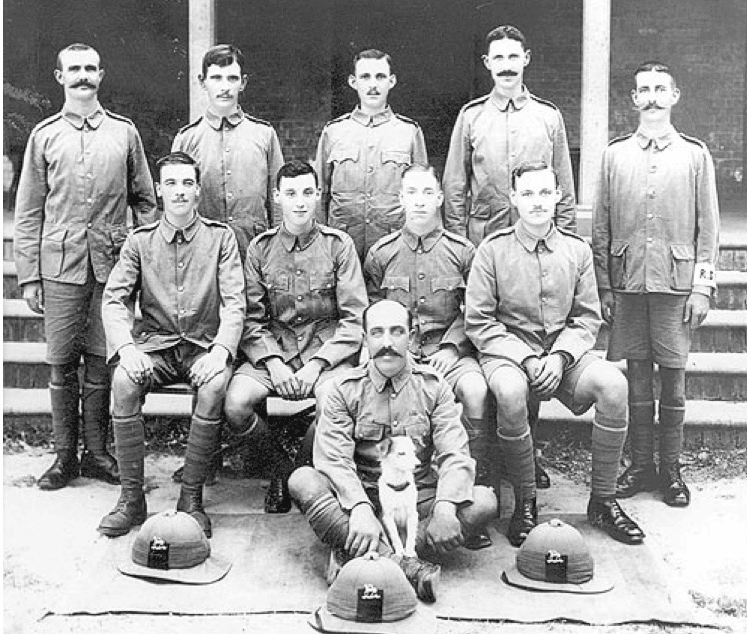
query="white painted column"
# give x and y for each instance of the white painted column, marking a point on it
(595, 92)
(201, 38)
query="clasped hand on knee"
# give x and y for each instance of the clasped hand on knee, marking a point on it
(545, 373)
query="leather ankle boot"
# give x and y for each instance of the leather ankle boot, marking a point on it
(64, 469)
(541, 477)
(277, 498)
(190, 501)
(523, 520)
(636, 478)
(423, 576)
(673, 488)
(606, 513)
(131, 510)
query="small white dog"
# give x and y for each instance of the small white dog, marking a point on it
(397, 492)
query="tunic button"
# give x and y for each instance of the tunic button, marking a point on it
(181, 265)
(422, 300)
(651, 216)
(229, 195)
(368, 221)
(649, 240)
(228, 149)
(394, 423)
(420, 251)
(228, 172)
(653, 168)
(298, 272)
(90, 224)
(392, 395)
(299, 337)
(421, 276)
(370, 169)
(181, 289)
(300, 297)
(230, 218)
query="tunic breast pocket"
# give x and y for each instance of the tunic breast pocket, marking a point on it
(683, 266)
(369, 430)
(394, 162)
(447, 295)
(322, 287)
(278, 290)
(53, 252)
(397, 288)
(344, 159)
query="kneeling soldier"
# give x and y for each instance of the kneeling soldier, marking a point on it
(533, 314)
(392, 396)
(188, 273)
(305, 296)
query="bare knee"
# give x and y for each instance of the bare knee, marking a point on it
(126, 394)
(483, 508)
(610, 387)
(306, 484)
(472, 393)
(242, 397)
(511, 390)
(210, 397)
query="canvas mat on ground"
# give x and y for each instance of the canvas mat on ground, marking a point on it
(279, 566)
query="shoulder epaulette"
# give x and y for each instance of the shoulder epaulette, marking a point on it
(45, 122)
(342, 117)
(149, 227)
(476, 102)
(544, 101)
(498, 233)
(457, 238)
(402, 117)
(571, 234)
(190, 125)
(266, 234)
(257, 120)
(119, 117)
(620, 138)
(331, 231)
(693, 140)
(387, 239)
(214, 223)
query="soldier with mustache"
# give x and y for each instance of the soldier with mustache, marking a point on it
(362, 155)
(655, 239)
(83, 168)
(493, 135)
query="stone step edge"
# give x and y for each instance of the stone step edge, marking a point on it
(698, 414)
(719, 318)
(723, 278)
(174, 403)
(720, 363)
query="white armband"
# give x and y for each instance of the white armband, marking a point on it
(704, 274)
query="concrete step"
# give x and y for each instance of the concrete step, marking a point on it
(710, 375)
(732, 252)
(723, 331)
(722, 424)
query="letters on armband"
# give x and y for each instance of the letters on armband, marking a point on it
(704, 275)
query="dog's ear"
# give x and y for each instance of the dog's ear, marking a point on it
(384, 446)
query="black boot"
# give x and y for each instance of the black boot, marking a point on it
(523, 520)
(641, 475)
(130, 510)
(201, 448)
(423, 576)
(672, 486)
(65, 420)
(96, 461)
(479, 447)
(606, 513)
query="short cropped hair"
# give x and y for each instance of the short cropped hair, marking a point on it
(75, 47)
(295, 168)
(657, 67)
(222, 55)
(370, 306)
(531, 166)
(421, 167)
(373, 53)
(506, 32)
(178, 158)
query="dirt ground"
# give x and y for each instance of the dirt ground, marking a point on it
(50, 538)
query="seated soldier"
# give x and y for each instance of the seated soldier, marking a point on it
(187, 271)
(305, 296)
(425, 268)
(532, 312)
(389, 396)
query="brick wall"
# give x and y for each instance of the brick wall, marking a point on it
(704, 41)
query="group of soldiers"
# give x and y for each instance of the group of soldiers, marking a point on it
(444, 311)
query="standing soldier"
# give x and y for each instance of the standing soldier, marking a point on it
(83, 167)
(493, 135)
(238, 155)
(655, 238)
(361, 156)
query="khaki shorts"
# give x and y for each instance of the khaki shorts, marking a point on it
(462, 367)
(566, 392)
(650, 326)
(262, 375)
